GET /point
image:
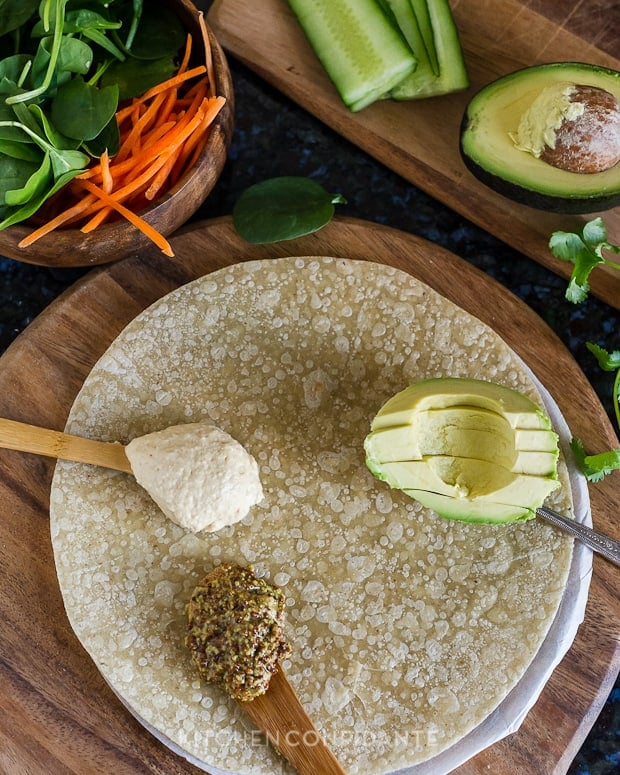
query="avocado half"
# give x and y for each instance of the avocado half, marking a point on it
(471, 450)
(490, 154)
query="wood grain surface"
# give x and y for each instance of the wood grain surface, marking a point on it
(420, 140)
(63, 718)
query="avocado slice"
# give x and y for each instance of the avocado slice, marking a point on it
(479, 451)
(442, 392)
(466, 432)
(468, 479)
(491, 121)
(477, 511)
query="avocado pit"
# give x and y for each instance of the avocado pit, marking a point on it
(573, 127)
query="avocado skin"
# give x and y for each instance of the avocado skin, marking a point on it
(526, 193)
(535, 199)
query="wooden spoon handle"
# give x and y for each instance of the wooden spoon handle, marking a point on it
(44, 441)
(280, 715)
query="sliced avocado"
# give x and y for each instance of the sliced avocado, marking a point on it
(475, 511)
(488, 449)
(404, 443)
(442, 392)
(488, 149)
(468, 479)
(460, 431)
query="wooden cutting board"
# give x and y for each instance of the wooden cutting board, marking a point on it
(63, 716)
(420, 140)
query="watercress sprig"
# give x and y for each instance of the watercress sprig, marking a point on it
(585, 251)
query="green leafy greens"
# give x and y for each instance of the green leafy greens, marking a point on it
(64, 67)
(585, 251)
(282, 209)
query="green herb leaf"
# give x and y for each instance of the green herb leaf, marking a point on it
(159, 33)
(282, 209)
(608, 361)
(585, 252)
(595, 467)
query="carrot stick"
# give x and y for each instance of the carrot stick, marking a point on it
(146, 228)
(176, 80)
(107, 181)
(208, 53)
(161, 177)
(131, 143)
(59, 220)
(98, 218)
(186, 54)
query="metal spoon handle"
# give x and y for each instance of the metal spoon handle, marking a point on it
(598, 542)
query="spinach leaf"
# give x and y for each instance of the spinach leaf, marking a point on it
(58, 7)
(108, 139)
(30, 208)
(135, 76)
(56, 138)
(73, 56)
(81, 110)
(159, 34)
(17, 150)
(283, 208)
(37, 183)
(12, 69)
(15, 13)
(62, 160)
(14, 174)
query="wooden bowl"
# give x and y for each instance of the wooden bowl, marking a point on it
(118, 239)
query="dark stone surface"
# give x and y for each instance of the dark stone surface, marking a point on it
(275, 137)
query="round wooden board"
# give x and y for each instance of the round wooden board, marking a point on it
(63, 717)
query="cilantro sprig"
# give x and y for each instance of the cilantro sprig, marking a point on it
(585, 251)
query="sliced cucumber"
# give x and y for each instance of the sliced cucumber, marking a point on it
(426, 73)
(445, 69)
(363, 54)
(425, 23)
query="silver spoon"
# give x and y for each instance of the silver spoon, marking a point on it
(598, 542)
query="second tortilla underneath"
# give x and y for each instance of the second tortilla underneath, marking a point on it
(406, 630)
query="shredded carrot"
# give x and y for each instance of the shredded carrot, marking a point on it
(107, 180)
(162, 134)
(176, 80)
(186, 54)
(78, 209)
(136, 220)
(208, 53)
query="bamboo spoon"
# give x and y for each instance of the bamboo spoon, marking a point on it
(44, 441)
(278, 713)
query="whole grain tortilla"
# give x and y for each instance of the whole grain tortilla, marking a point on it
(407, 630)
